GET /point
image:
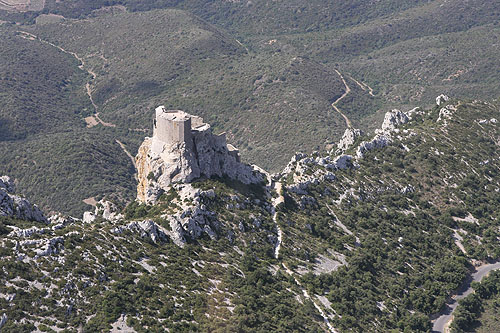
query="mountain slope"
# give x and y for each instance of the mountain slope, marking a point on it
(373, 238)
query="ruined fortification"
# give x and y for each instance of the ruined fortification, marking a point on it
(182, 149)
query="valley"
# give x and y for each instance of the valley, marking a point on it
(249, 166)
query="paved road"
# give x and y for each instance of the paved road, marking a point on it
(442, 321)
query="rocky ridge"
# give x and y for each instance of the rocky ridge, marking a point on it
(16, 206)
(332, 210)
(340, 160)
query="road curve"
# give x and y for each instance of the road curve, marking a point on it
(446, 315)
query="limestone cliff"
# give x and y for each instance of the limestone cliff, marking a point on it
(15, 206)
(191, 153)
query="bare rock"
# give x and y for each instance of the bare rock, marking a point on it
(108, 210)
(348, 139)
(343, 162)
(442, 99)
(3, 320)
(7, 184)
(16, 206)
(394, 119)
(88, 217)
(379, 141)
(146, 229)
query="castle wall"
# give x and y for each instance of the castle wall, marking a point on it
(196, 121)
(172, 127)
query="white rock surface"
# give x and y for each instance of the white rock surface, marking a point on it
(25, 233)
(446, 113)
(3, 320)
(108, 210)
(442, 99)
(59, 221)
(393, 119)
(379, 141)
(88, 217)
(146, 228)
(348, 139)
(16, 206)
(105, 209)
(7, 184)
(343, 162)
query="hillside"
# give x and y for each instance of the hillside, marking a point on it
(265, 72)
(371, 238)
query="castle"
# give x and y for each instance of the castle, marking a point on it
(182, 149)
(176, 126)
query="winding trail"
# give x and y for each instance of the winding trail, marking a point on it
(363, 86)
(441, 324)
(126, 151)
(334, 104)
(94, 119)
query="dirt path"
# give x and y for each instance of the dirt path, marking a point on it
(276, 202)
(91, 120)
(334, 104)
(363, 86)
(126, 151)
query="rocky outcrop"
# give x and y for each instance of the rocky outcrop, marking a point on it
(392, 120)
(445, 114)
(194, 219)
(15, 206)
(348, 139)
(300, 164)
(105, 209)
(442, 99)
(44, 247)
(379, 141)
(146, 229)
(6, 184)
(200, 154)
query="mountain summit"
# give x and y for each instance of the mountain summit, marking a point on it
(183, 148)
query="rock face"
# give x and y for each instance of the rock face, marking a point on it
(182, 149)
(348, 139)
(16, 206)
(393, 119)
(146, 228)
(379, 141)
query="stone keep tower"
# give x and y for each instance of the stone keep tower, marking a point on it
(172, 126)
